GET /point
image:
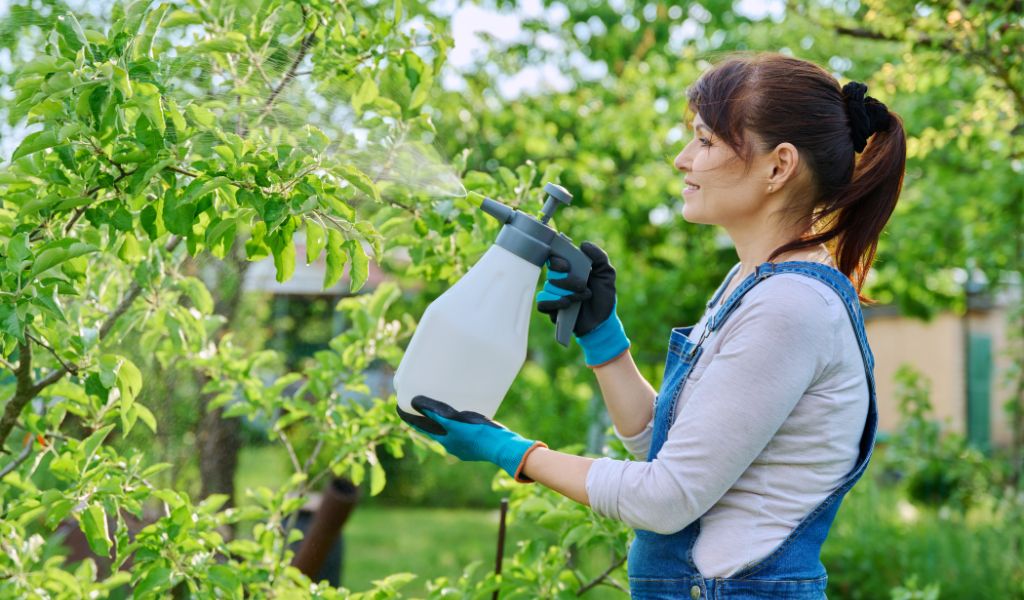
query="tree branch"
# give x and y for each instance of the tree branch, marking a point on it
(600, 578)
(22, 457)
(23, 393)
(92, 192)
(133, 292)
(869, 34)
(307, 43)
(182, 171)
(73, 369)
(995, 66)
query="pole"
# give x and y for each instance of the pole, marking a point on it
(501, 543)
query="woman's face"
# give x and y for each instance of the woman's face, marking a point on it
(719, 189)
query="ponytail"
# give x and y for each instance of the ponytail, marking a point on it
(852, 218)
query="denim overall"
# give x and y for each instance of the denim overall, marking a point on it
(661, 566)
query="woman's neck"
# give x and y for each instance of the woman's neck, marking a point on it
(753, 248)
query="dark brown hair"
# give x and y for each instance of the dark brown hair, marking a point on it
(778, 98)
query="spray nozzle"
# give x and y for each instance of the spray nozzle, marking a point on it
(497, 210)
(557, 195)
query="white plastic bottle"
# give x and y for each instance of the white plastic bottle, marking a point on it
(471, 342)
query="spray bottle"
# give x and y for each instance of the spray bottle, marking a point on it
(471, 342)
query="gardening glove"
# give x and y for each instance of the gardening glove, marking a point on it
(471, 436)
(598, 329)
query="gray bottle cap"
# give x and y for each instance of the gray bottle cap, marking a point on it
(524, 235)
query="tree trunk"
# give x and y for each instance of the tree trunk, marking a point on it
(219, 442)
(218, 439)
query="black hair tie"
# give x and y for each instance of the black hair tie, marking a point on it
(867, 115)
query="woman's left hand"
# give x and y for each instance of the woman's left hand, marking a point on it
(471, 436)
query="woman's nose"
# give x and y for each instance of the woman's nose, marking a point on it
(681, 163)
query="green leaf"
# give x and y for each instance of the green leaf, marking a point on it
(95, 440)
(121, 81)
(360, 268)
(283, 248)
(146, 416)
(387, 107)
(57, 511)
(143, 44)
(335, 258)
(48, 298)
(256, 246)
(147, 218)
(226, 578)
(360, 180)
(182, 17)
(214, 184)
(54, 256)
(175, 114)
(148, 101)
(178, 213)
(49, 109)
(18, 253)
(232, 41)
(220, 237)
(225, 152)
(377, 478)
(129, 415)
(201, 115)
(156, 580)
(44, 64)
(129, 380)
(314, 240)
(422, 90)
(198, 293)
(71, 32)
(94, 525)
(366, 94)
(34, 142)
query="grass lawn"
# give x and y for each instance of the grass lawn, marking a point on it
(428, 542)
(383, 540)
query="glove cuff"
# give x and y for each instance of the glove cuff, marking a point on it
(605, 342)
(511, 455)
(518, 475)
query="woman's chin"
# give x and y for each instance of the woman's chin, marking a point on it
(692, 215)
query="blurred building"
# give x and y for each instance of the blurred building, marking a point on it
(964, 357)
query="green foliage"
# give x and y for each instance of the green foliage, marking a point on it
(940, 467)
(913, 592)
(168, 134)
(880, 540)
(136, 165)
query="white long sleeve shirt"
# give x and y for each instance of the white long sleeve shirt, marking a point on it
(767, 425)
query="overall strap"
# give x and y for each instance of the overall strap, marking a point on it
(724, 284)
(844, 288)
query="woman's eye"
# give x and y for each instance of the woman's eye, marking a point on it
(704, 141)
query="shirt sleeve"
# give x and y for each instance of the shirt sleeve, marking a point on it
(773, 348)
(638, 444)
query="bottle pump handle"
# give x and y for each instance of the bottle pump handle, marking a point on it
(565, 322)
(579, 270)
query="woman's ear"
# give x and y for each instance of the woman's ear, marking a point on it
(783, 162)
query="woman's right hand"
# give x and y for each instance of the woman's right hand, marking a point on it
(598, 329)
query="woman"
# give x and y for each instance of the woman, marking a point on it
(766, 415)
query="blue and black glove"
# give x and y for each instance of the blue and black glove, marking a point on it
(471, 436)
(598, 328)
